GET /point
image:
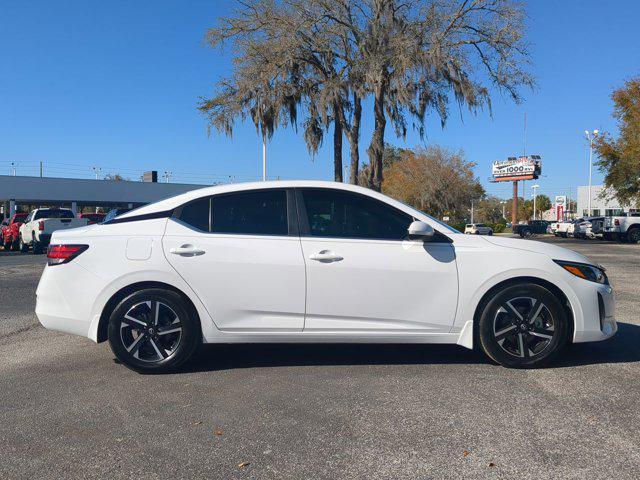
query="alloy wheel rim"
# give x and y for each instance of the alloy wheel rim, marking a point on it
(524, 327)
(151, 331)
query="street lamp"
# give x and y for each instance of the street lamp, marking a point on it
(591, 136)
(535, 194)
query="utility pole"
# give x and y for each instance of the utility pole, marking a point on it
(471, 211)
(504, 213)
(514, 204)
(40, 168)
(591, 136)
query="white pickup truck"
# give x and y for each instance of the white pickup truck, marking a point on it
(563, 229)
(41, 223)
(625, 228)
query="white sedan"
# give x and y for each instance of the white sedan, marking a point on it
(307, 261)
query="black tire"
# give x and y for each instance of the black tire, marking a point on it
(23, 247)
(138, 346)
(15, 245)
(6, 244)
(527, 233)
(633, 235)
(516, 341)
(37, 246)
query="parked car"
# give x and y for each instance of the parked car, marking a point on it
(533, 227)
(38, 227)
(478, 229)
(10, 231)
(111, 214)
(563, 228)
(625, 228)
(93, 217)
(589, 228)
(309, 261)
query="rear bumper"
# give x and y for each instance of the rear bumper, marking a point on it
(65, 297)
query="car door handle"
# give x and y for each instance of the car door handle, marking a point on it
(325, 256)
(187, 251)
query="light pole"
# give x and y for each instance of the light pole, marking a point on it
(96, 170)
(591, 136)
(264, 158)
(504, 206)
(167, 176)
(535, 194)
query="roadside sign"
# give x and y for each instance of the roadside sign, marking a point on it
(561, 203)
(520, 168)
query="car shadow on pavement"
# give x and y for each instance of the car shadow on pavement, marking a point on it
(624, 347)
(234, 356)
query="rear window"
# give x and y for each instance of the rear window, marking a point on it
(53, 213)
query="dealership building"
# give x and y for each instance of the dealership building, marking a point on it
(600, 205)
(24, 193)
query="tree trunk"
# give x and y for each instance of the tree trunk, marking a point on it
(337, 147)
(376, 149)
(354, 141)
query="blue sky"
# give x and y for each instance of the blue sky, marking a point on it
(115, 84)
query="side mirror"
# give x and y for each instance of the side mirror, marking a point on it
(420, 230)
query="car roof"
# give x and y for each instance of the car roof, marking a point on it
(174, 202)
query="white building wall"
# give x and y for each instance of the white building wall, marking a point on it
(599, 206)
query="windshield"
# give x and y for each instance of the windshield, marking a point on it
(53, 213)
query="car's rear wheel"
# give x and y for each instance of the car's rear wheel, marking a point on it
(23, 247)
(523, 326)
(633, 235)
(154, 331)
(37, 246)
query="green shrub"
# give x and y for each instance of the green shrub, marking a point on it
(497, 227)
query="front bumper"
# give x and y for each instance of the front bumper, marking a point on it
(598, 315)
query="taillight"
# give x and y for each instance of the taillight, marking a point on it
(58, 254)
(617, 222)
(41, 225)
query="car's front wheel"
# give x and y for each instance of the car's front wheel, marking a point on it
(523, 326)
(154, 331)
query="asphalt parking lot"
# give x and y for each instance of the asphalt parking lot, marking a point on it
(68, 410)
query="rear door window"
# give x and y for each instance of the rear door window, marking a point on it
(257, 212)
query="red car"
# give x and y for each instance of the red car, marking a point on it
(10, 229)
(92, 217)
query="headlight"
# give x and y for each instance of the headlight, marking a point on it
(585, 271)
